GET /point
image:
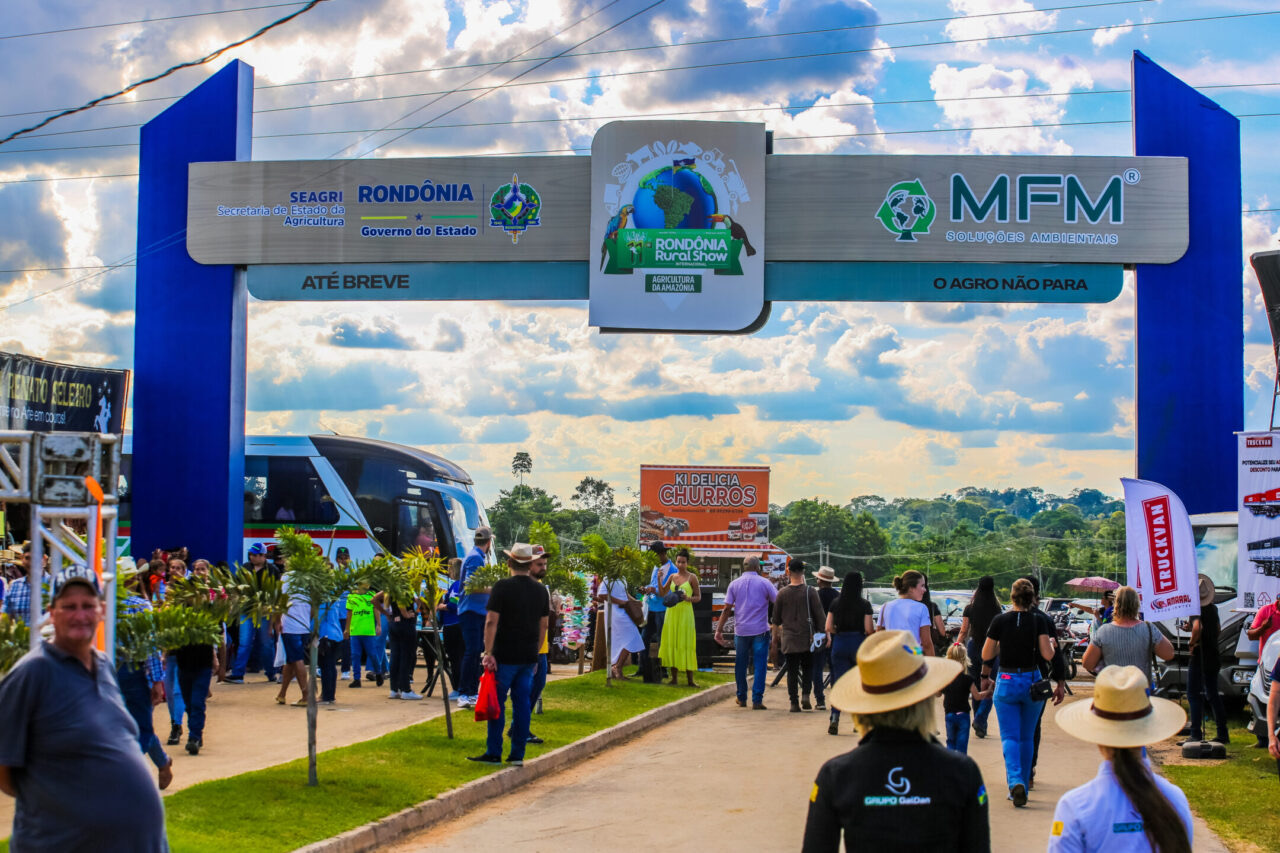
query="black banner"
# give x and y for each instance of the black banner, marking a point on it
(51, 397)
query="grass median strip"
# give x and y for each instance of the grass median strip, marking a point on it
(273, 809)
(1236, 797)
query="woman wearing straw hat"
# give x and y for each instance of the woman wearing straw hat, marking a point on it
(1125, 807)
(899, 789)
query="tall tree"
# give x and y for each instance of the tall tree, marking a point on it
(594, 494)
(521, 464)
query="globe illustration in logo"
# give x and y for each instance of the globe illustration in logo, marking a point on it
(674, 197)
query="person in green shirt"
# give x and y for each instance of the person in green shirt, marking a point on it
(363, 630)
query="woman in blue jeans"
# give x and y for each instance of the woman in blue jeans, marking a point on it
(1021, 638)
(849, 622)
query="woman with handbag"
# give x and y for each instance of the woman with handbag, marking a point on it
(1021, 639)
(1126, 641)
(624, 636)
(679, 646)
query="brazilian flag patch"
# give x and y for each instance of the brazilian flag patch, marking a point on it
(982, 795)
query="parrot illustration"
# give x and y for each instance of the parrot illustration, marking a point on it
(616, 223)
(736, 231)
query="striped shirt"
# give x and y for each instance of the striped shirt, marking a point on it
(155, 669)
(1127, 646)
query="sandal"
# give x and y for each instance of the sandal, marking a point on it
(280, 700)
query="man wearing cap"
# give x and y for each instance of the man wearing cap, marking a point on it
(472, 610)
(343, 558)
(749, 596)
(254, 635)
(514, 629)
(899, 789)
(68, 748)
(653, 601)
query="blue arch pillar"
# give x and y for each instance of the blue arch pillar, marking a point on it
(1189, 330)
(189, 338)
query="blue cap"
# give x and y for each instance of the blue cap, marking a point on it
(257, 548)
(75, 577)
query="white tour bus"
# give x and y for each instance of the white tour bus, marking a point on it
(369, 496)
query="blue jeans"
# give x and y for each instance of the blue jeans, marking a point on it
(753, 649)
(173, 695)
(136, 693)
(472, 645)
(368, 645)
(1018, 716)
(958, 731)
(820, 660)
(516, 678)
(249, 637)
(844, 657)
(539, 682)
(981, 709)
(194, 684)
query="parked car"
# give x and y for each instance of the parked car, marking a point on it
(1260, 689)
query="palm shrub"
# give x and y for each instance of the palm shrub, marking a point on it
(626, 564)
(15, 639)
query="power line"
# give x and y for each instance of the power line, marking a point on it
(311, 4)
(146, 21)
(615, 50)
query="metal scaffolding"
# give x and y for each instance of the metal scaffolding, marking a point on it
(51, 472)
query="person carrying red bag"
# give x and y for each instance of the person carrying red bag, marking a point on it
(514, 628)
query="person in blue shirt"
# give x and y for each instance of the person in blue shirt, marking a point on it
(653, 601)
(472, 611)
(450, 628)
(332, 624)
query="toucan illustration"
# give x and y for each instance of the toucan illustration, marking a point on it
(616, 223)
(736, 231)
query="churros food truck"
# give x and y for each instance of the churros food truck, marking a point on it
(721, 515)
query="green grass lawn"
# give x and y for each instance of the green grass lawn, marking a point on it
(273, 809)
(1237, 799)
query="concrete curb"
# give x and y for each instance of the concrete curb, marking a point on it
(457, 802)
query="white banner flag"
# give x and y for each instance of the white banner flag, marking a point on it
(1162, 551)
(1258, 563)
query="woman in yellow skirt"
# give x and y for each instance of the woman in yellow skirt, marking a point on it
(679, 646)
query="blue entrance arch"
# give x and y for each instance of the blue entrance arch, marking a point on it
(190, 340)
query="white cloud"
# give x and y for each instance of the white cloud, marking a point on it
(984, 96)
(1108, 35)
(986, 18)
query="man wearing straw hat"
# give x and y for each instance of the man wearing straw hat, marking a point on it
(899, 789)
(1125, 807)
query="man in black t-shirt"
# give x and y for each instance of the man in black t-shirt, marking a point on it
(514, 628)
(1202, 671)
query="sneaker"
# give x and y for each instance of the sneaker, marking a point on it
(410, 695)
(834, 728)
(1019, 794)
(820, 705)
(194, 744)
(233, 679)
(394, 694)
(175, 735)
(1222, 739)
(795, 707)
(466, 701)
(354, 684)
(758, 706)
(273, 679)
(515, 762)
(327, 702)
(368, 676)
(980, 732)
(533, 739)
(454, 695)
(346, 676)
(742, 703)
(485, 759)
(377, 679)
(805, 704)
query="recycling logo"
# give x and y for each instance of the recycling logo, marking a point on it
(907, 210)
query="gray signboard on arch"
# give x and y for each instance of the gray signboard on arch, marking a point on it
(921, 209)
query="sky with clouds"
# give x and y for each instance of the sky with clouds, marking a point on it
(841, 399)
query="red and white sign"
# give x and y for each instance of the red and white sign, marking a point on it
(1162, 551)
(1258, 522)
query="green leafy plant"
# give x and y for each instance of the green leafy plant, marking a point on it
(625, 564)
(560, 578)
(483, 578)
(15, 639)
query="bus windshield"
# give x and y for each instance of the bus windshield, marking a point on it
(1216, 553)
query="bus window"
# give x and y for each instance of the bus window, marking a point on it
(375, 482)
(416, 527)
(285, 490)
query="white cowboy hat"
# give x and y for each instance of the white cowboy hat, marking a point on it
(1206, 590)
(521, 552)
(826, 573)
(892, 673)
(1121, 714)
